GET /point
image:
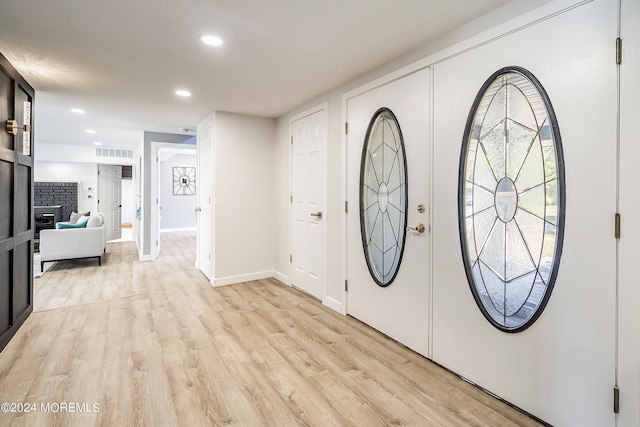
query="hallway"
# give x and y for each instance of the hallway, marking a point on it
(152, 343)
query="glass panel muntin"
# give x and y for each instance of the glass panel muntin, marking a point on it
(512, 152)
(383, 197)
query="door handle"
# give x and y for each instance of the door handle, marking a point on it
(198, 210)
(317, 215)
(419, 228)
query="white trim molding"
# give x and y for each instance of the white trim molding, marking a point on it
(241, 278)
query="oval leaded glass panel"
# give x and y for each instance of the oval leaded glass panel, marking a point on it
(511, 199)
(383, 197)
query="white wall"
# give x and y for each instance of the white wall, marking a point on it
(85, 174)
(64, 162)
(76, 153)
(244, 193)
(128, 201)
(178, 211)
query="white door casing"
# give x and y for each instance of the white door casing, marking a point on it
(110, 198)
(204, 171)
(628, 370)
(400, 310)
(157, 217)
(561, 369)
(308, 194)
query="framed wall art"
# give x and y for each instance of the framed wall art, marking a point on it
(184, 181)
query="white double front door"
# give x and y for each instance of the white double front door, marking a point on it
(562, 368)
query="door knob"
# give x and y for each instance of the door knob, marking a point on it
(198, 210)
(317, 215)
(419, 228)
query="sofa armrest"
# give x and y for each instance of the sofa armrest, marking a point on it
(71, 243)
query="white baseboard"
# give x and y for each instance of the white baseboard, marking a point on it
(333, 304)
(241, 278)
(230, 280)
(281, 277)
(169, 230)
(147, 257)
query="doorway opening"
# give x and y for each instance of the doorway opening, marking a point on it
(174, 190)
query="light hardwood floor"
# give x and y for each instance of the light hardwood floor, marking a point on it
(153, 344)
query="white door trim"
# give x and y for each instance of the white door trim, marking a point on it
(628, 295)
(155, 193)
(324, 107)
(207, 125)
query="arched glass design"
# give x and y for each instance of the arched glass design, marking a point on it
(511, 199)
(383, 197)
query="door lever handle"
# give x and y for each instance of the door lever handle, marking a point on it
(317, 215)
(419, 228)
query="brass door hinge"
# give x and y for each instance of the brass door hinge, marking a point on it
(346, 128)
(616, 400)
(346, 207)
(346, 285)
(290, 258)
(617, 226)
(618, 51)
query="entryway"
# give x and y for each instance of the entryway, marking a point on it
(413, 286)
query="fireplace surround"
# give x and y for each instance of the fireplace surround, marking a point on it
(45, 218)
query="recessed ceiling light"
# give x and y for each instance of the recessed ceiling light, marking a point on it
(97, 143)
(211, 40)
(78, 110)
(183, 93)
(91, 131)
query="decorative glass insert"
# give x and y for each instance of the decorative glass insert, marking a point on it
(383, 197)
(511, 194)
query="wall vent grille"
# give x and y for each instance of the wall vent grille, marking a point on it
(120, 153)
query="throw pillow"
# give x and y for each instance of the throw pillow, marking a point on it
(82, 223)
(95, 221)
(75, 216)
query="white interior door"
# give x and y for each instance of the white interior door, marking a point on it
(561, 369)
(400, 309)
(110, 198)
(308, 145)
(204, 181)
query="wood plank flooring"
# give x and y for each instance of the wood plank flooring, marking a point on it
(153, 344)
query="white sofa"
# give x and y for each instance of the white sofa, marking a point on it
(72, 243)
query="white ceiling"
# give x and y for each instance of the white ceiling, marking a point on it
(122, 60)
